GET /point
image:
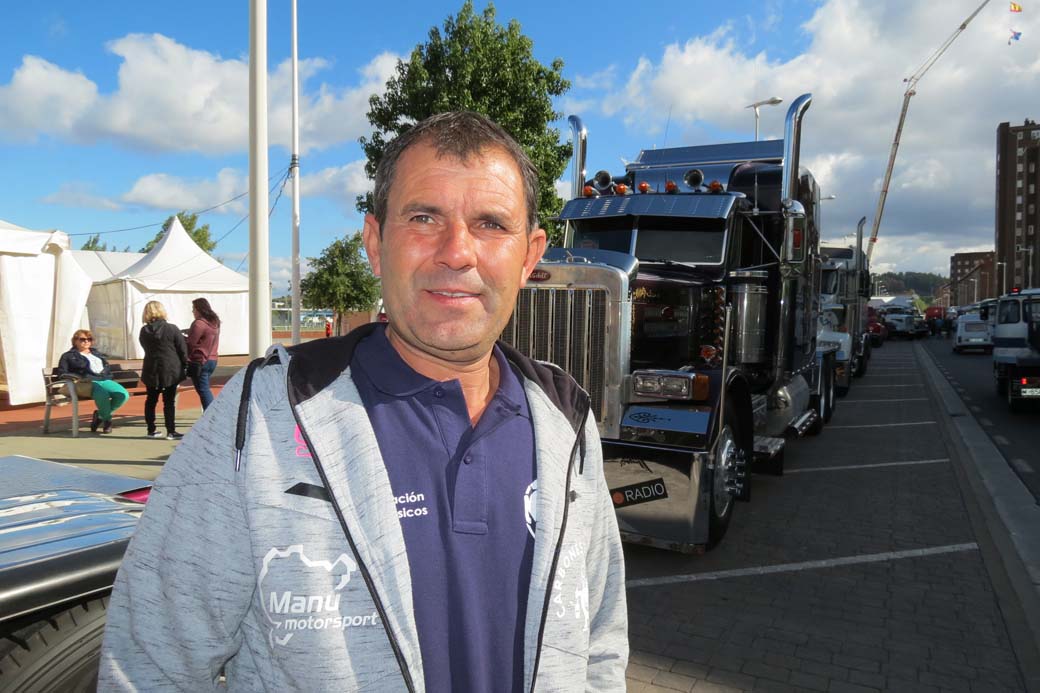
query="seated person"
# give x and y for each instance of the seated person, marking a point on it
(84, 362)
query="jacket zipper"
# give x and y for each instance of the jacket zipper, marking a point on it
(362, 568)
(556, 552)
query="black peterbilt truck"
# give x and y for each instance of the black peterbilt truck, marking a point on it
(685, 301)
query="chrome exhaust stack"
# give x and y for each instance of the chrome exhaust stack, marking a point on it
(579, 140)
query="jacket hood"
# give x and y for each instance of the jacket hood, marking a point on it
(155, 326)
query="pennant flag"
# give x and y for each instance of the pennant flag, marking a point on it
(1015, 7)
(1015, 35)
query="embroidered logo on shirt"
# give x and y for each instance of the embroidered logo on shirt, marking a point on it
(289, 611)
(531, 506)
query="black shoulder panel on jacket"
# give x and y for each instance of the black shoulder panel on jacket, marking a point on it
(315, 364)
(561, 388)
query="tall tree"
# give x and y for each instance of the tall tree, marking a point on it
(478, 65)
(200, 235)
(94, 243)
(341, 279)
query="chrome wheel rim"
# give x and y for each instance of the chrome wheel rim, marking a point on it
(725, 470)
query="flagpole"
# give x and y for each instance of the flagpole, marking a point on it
(259, 263)
(294, 173)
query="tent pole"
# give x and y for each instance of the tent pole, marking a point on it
(259, 261)
(294, 172)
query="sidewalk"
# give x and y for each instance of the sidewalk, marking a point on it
(126, 450)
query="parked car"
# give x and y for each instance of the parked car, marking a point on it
(876, 327)
(972, 333)
(63, 532)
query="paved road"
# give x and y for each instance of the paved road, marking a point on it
(860, 570)
(1016, 435)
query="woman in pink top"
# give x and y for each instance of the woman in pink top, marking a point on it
(203, 341)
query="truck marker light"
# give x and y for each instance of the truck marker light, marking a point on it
(621, 189)
(644, 187)
(708, 352)
(797, 239)
(715, 186)
(589, 191)
(670, 187)
(1025, 381)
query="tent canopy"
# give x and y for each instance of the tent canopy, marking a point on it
(104, 264)
(174, 272)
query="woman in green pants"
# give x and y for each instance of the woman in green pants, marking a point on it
(87, 363)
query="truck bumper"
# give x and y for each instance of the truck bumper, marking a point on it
(660, 494)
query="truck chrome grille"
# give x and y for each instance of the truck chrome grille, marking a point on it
(566, 327)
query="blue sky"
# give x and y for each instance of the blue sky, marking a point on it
(116, 114)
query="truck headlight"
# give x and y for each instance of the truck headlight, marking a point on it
(670, 384)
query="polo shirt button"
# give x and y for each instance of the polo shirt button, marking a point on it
(467, 459)
(438, 392)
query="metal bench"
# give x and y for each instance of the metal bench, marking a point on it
(61, 390)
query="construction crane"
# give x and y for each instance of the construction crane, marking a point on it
(911, 84)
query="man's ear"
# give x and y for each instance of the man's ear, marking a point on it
(373, 242)
(536, 242)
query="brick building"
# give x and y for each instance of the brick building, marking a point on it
(971, 277)
(1017, 206)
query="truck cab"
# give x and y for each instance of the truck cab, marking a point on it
(1016, 347)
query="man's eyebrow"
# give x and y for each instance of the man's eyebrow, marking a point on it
(424, 207)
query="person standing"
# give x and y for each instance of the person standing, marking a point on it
(87, 363)
(413, 506)
(203, 344)
(165, 365)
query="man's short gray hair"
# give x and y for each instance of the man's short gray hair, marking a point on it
(460, 135)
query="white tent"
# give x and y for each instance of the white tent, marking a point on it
(104, 264)
(41, 304)
(174, 272)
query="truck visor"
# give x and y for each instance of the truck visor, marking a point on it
(701, 205)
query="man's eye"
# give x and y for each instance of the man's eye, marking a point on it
(422, 219)
(493, 225)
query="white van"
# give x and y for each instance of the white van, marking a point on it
(1016, 353)
(972, 333)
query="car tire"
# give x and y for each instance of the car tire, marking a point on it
(956, 350)
(58, 653)
(861, 363)
(1002, 386)
(1014, 403)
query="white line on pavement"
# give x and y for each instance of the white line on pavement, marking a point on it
(885, 425)
(804, 565)
(1001, 440)
(866, 466)
(976, 408)
(985, 422)
(905, 399)
(1022, 466)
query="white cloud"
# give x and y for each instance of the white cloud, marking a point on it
(166, 192)
(281, 272)
(80, 195)
(856, 56)
(341, 184)
(172, 97)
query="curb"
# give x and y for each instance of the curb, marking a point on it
(1010, 511)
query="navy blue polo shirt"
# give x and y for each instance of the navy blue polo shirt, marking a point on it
(465, 499)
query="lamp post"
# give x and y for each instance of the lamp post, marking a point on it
(771, 101)
(1029, 276)
(1002, 278)
(975, 283)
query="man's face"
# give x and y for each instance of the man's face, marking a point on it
(454, 251)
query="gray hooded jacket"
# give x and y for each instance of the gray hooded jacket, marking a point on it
(271, 550)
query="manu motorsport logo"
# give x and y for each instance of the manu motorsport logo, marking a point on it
(289, 611)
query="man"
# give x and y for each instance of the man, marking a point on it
(409, 507)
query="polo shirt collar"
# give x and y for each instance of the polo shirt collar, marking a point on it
(392, 376)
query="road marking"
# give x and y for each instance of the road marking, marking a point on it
(985, 422)
(866, 466)
(976, 408)
(966, 398)
(1022, 466)
(1001, 440)
(908, 423)
(804, 565)
(905, 399)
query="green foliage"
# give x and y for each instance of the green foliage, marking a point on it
(478, 65)
(200, 235)
(94, 243)
(341, 279)
(925, 284)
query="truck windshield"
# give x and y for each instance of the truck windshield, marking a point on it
(673, 239)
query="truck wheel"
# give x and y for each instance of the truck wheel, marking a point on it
(1014, 403)
(727, 456)
(1002, 386)
(823, 402)
(55, 654)
(829, 392)
(861, 363)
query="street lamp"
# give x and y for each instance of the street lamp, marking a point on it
(975, 282)
(1029, 277)
(771, 101)
(1002, 273)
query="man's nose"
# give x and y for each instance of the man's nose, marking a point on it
(457, 250)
